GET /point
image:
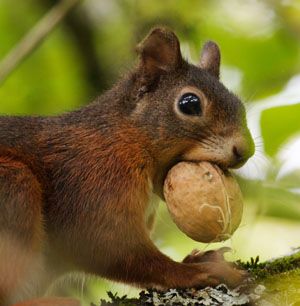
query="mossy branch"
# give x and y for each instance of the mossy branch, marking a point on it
(261, 270)
(254, 293)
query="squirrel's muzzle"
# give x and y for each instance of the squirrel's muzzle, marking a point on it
(242, 149)
(227, 152)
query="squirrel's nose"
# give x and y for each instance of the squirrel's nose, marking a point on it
(240, 154)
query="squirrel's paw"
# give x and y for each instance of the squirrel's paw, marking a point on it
(197, 256)
(215, 273)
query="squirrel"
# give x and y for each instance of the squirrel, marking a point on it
(76, 189)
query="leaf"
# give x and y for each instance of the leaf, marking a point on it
(277, 125)
(271, 199)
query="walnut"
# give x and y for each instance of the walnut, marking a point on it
(204, 202)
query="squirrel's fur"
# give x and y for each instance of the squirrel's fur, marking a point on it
(75, 188)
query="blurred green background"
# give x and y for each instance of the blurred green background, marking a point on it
(260, 44)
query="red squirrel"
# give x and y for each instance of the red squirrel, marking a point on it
(76, 189)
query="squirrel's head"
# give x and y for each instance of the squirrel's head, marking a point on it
(186, 111)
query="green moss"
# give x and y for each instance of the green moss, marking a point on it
(282, 289)
(119, 301)
(262, 270)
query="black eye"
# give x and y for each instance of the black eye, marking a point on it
(190, 104)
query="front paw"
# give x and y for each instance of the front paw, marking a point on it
(215, 273)
(197, 256)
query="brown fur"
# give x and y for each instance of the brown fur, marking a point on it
(75, 188)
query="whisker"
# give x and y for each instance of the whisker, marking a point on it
(250, 97)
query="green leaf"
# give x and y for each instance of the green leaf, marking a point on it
(278, 124)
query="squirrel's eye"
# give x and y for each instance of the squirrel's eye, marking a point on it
(190, 104)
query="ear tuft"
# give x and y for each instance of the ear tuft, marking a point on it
(210, 58)
(160, 51)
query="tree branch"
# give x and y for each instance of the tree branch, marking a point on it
(34, 37)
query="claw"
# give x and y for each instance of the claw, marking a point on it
(224, 250)
(197, 256)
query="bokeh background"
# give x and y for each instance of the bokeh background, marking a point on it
(260, 44)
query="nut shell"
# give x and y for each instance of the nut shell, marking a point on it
(204, 202)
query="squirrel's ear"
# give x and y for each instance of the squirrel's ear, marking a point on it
(159, 51)
(210, 58)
